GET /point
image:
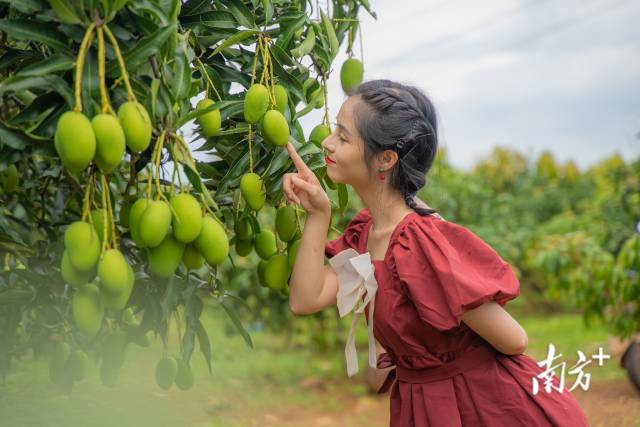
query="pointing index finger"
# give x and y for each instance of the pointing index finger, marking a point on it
(295, 157)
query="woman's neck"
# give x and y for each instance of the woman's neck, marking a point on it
(386, 206)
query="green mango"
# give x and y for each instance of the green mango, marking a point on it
(136, 125)
(251, 190)
(286, 222)
(166, 371)
(276, 272)
(11, 180)
(83, 245)
(88, 309)
(72, 276)
(119, 300)
(275, 128)
(256, 102)
(262, 264)
(155, 222)
(113, 272)
(209, 122)
(165, 258)
(192, 258)
(135, 214)
(75, 141)
(110, 141)
(350, 74)
(265, 244)
(113, 349)
(282, 98)
(187, 217)
(242, 228)
(184, 375)
(243, 247)
(212, 242)
(292, 252)
(317, 98)
(76, 365)
(318, 134)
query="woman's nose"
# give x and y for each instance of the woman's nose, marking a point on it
(327, 145)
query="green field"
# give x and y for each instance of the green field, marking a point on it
(245, 383)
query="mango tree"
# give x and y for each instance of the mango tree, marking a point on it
(110, 226)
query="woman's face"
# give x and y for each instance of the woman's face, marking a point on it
(344, 149)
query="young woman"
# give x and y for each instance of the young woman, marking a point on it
(438, 306)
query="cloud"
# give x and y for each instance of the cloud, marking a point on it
(532, 75)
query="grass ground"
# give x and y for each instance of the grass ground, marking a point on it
(270, 386)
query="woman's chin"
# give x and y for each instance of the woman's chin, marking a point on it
(332, 175)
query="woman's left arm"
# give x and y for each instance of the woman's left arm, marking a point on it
(493, 323)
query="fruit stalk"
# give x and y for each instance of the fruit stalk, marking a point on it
(104, 99)
(157, 165)
(326, 101)
(209, 82)
(271, 84)
(123, 68)
(255, 59)
(105, 240)
(84, 46)
(87, 197)
(250, 150)
(109, 212)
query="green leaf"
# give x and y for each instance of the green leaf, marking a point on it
(19, 83)
(330, 32)
(288, 26)
(343, 197)
(307, 45)
(42, 103)
(194, 7)
(365, 3)
(234, 39)
(234, 173)
(181, 73)
(241, 13)
(216, 19)
(282, 55)
(268, 11)
(56, 62)
(151, 9)
(65, 11)
(14, 138)
(143, 50)
(205, 344)
(31, 30)
(238, 324)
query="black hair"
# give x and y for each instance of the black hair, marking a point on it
(402, 118)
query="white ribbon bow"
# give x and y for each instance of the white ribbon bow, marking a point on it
(355, 278)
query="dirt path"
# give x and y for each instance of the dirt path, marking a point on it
(613, 403)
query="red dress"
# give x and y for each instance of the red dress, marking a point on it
(446, 374)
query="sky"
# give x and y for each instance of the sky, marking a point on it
(532, 75)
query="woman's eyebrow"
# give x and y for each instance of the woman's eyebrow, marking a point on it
(344, 129)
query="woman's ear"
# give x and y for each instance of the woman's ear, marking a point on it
(387, 159)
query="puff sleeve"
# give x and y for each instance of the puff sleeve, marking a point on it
(351, 235)
(445, 269)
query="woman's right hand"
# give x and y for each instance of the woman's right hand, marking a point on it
(304, 187)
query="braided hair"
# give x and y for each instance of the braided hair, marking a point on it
(401, 118)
